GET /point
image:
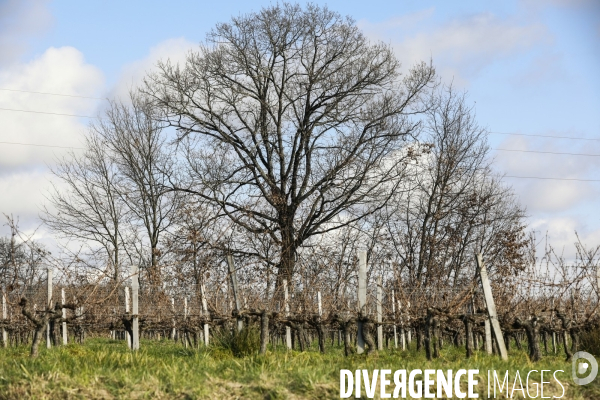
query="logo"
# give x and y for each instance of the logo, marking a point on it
(582, 362)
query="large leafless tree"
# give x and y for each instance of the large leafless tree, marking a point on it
(292, 121)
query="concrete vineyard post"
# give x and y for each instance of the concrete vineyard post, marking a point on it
(135, 286)
(288, 330)
(127, 337)
(488, 336)
(598, 280)
(362, 298)
(408, 332)
(573, 309)
(185, 311)
(4, 318)
(234, 287)
(205, 312)
(49, 305)
(394, 314)
(173, 319)
(379, 314)
(319, 303)
(491, 306)
(404, 334)
(64, 316)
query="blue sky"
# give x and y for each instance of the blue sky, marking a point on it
(529, 66)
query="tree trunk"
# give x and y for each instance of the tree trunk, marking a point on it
(568, 354)
(532, 331)
(468, 333)
(38, 333)
(264, 331)
(366, 331)
(321, 334)
(428, 337)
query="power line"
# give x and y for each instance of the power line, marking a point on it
(53, 94)
(549, 152)
(543, 136)
(505, 176)
(41, 145)
(49, 113)
(551, 179)
(99, 98)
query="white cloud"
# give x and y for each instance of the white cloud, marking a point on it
(549, 195)
(23, 192)
(24, 177)
(58, 70)
(462, 47)
(562, 234)
(132, 74)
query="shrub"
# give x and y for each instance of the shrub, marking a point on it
(241, 344)
(590, 341)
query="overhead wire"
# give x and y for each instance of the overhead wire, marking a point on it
(551, 179)
(41, 145)
(53, 94)
(44, 112)
(491, 132)
(549, 152)
(543, 136)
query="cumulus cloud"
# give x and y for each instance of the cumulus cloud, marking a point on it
(460, 48)
(24, 176)
(132, 74)
(57, 70)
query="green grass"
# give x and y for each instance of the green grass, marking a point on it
(106, 369)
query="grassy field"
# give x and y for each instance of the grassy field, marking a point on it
(105, 369)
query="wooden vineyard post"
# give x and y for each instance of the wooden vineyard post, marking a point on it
(64, 316)
(288, 330)
(49, 305)
(362, 298)
(379, 314)
(127, 337)
(488, 336)
(234, 287)
(135, 286)
(491, 306)
(394, 314)
(205, 313)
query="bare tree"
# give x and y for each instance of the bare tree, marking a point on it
(137, 149)
(452, 204)
(19, 261)
(292, 121)
(117, 186)
(85, 202)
